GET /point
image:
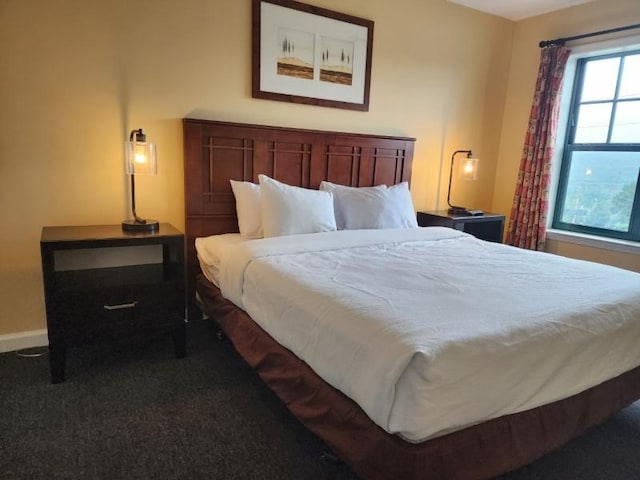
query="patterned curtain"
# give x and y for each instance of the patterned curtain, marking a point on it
(528, 223)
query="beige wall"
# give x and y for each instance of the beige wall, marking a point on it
(77, 76)
(599, 15)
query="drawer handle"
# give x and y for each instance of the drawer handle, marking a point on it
(121, 306)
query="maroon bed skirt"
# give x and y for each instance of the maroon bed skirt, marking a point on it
(478, 452)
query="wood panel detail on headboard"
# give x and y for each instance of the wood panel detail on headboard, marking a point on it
(216, 152)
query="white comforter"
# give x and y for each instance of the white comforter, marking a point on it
(430, 330)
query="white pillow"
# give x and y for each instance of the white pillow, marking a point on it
(400, 212)
(289, 210)
(372, 207)
(354, 207)
(248, 208)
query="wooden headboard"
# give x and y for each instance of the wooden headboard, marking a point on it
(215, 152)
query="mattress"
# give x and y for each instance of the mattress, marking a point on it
(431, 330)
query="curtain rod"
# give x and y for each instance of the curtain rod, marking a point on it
(561, 41)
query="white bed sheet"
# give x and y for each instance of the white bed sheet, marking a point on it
(209, 251)
(430, 330)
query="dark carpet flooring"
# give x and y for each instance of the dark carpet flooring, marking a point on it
(133, 411)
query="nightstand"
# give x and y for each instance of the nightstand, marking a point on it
(489, 226)
(101, 284)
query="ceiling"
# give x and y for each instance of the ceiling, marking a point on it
(518, 9)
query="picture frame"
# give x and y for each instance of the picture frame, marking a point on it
(311, 55)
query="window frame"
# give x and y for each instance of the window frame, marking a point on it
(561, 184)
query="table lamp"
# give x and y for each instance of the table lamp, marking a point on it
(468, 171)
(140, 159)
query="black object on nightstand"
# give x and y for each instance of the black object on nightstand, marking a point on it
(102, 302)
(488, 226)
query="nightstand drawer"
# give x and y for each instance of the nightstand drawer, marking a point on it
(114, 312)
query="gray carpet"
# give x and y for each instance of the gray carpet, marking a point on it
(133, 411)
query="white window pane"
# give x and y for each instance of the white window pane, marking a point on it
(593, 123)
(601, 189)
(630, 84)
(626, 125)
(600, 79)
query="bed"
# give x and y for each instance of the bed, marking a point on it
(216, 152)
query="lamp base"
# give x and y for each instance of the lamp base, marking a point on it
(134, 226)
(465, 211)
(458, 211)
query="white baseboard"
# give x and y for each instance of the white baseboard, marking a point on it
(18, 341)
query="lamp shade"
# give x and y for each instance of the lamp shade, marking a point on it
(140, 155)
(468, 169)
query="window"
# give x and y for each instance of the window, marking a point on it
(599, 185)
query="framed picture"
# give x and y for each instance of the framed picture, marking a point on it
(307, 54)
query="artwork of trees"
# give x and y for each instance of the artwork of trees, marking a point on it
(296, 53)
(296, 57)
(337, 61)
